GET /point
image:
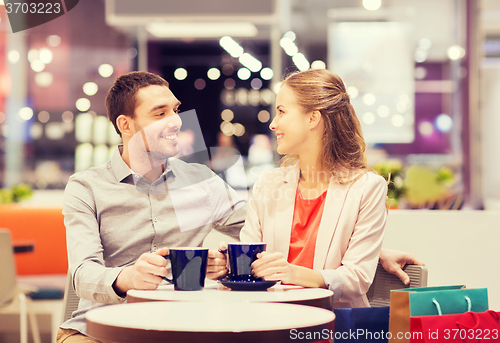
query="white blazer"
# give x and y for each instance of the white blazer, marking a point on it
(349, 236)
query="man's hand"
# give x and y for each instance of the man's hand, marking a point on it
(394, 260)
(216, 265)
(145, 273)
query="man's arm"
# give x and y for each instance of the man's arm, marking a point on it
(91, 278)
(394, 260)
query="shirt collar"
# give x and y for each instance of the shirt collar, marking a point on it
(122, 170)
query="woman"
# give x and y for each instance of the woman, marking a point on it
(323, 213)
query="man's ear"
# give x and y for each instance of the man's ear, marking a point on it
(124, 124)
(314, 119)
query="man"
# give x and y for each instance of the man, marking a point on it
(121, 216)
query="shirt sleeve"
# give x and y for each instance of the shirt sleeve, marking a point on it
(92, 280)
(228, 210)
(353, 278)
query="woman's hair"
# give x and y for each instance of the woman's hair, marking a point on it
(343, 149)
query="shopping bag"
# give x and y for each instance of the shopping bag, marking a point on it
(456, 328)
(421, 301)
(362, 324)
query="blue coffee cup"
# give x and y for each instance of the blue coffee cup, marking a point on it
(189, 268)
(241, 257)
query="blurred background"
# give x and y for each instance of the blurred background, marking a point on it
(423, 76)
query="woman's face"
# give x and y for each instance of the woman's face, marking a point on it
(290, 123)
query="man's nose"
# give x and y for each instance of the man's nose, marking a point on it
(174, 122)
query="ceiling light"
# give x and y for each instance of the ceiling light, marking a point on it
(45, 55)
(83, 104)
(44, 79)
(301, 61)
(185, 29)
(318, 64)
(90, 88)
(25, 113)
(244, 74)
(13, 56)
(372, 5)
(37, 65)
(180, 74)
(231, 46)
(213, 73)
(250, 62)
(456, 52)
(105, 70)
(267, 73)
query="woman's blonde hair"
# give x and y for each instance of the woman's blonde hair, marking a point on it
(343, 150)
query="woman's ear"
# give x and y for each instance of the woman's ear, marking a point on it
(124, 125)
(314, 119)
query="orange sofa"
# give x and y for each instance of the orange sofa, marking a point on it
(44, 227)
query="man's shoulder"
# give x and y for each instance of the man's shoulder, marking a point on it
(93, 173)
(188, 174)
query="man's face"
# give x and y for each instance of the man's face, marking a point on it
(156, 123)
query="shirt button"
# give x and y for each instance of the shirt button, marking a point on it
(155, 219)
(154, 248)
(151, 189)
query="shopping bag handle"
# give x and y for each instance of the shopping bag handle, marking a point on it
(494, 314)
(476, 321)
(438, 307)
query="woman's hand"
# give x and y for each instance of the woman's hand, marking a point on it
(273, 266)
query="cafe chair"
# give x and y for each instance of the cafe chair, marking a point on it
(71, 300)
(13, 297)
(379, 293)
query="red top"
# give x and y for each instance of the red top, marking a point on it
(306, 219)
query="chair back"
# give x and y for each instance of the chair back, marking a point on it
(7, 269)
(379, 293)
(71, 300)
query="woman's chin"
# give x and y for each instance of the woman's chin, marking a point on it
(281, 150)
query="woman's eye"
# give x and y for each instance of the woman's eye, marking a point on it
(176, 111)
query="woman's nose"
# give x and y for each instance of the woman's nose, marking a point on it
(272, 126)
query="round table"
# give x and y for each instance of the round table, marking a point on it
(209, 322)
(214, 292)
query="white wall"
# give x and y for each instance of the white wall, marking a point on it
(458, 247)
(490, 134)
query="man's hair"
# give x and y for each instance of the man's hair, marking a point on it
(122, 96)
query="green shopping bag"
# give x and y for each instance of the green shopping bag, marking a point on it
(425, 301)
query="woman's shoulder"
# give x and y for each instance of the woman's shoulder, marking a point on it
(277, 176)
(370, 179)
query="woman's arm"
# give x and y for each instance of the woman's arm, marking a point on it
(359, 262)
(274, 266)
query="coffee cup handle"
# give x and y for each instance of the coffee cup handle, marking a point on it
(227, 261)
(167, 257)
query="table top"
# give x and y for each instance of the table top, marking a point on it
(207, 322)
(215, 292)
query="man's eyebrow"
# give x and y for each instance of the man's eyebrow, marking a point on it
(159, 107)
(278, 107)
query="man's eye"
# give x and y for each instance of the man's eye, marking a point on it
(160, 114)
